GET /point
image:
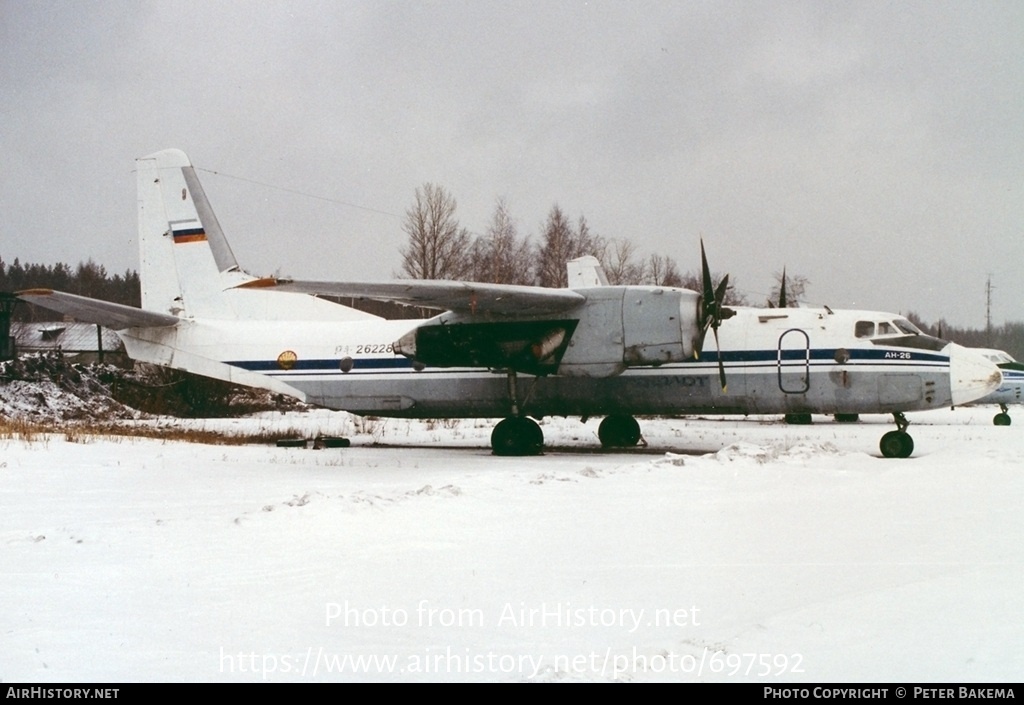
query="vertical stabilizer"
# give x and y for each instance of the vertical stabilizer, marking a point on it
(187, 268)
(183, 250)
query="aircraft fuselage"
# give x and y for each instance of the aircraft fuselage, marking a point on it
(776, 360)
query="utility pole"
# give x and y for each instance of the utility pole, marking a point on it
(7, 303)
(988, 310)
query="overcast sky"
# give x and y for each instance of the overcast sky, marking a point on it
(876, 148)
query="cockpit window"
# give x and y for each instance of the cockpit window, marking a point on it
(864, 329)
(879, 329)
(999, 357)
(899, 333)
(907, 327)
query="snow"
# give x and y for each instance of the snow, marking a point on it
(727, 549)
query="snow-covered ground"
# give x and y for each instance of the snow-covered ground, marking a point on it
(726, 550)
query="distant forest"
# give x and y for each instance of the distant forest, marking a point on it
(93, 280)
(1008, 337)
(87, 279)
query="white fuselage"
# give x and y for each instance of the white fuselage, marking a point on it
(776, 361)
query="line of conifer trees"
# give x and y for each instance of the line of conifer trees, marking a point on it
(87, 279)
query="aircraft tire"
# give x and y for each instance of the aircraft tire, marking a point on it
(1002, 420)
(516, 436)
(847, 418)
(799, 419)
(896, 444)
(619, 431)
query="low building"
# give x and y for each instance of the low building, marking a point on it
(84, 342)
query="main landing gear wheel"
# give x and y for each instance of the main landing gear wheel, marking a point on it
(517, 435)
(619, 431)
(897, 444)
(799, 419)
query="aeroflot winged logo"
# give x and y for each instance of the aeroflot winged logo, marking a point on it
(187, 231)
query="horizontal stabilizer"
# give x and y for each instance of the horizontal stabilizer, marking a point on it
(104, 313)
(469, 297)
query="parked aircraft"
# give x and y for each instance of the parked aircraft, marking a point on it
(1011, 391)
(516, 352)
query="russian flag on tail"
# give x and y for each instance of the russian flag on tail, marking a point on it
(187, 231)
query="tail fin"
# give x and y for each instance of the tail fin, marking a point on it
(183, 252)
(187, 268)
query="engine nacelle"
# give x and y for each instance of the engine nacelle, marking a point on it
(631, 326)
(615, 328)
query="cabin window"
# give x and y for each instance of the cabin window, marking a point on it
(865, 329)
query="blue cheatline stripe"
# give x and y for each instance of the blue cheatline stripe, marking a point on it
(747, 358)
(821, 354)
(320, 365)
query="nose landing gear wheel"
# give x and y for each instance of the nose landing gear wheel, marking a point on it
(897, 444)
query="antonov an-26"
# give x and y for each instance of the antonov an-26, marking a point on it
(517, 352)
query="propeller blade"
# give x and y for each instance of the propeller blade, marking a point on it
(783, 303)
(707, 287)
(719, 298)
(712, 312)
(721, 364)
(705, 269)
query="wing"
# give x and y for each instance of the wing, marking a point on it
(105, 313)
(463, 297)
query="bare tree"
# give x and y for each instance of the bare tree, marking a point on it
(619, 264)
(555, 249)
(587, 243)
(662, 271)
(438, 248)
(560, 242)
(501, 256)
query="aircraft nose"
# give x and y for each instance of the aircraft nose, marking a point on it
(971, 376)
